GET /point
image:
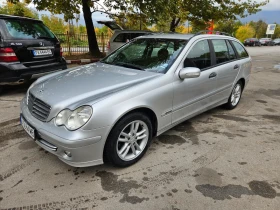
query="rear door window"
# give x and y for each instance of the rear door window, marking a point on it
(199, 56)
(240, 50)
(25, 29)
(221, 51)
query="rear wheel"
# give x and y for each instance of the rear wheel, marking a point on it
(129, 140)
(235, 96)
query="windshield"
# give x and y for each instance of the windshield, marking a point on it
(26, 29)
(156, 55)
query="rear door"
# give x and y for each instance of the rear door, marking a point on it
(31, 41)
(227, 66)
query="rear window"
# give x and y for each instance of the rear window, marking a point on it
(124, 37)
(25, 29)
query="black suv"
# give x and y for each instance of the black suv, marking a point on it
(252, 42)
(28, 50)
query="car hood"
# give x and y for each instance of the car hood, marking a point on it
(87, 84)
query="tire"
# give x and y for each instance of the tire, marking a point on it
(1, 89)
(233, 101)
(119, 150)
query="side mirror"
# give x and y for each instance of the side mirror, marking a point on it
(189, 72)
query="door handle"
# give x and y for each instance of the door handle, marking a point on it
(212, 75)
(236, 66)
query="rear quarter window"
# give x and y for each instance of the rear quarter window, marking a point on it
(242, 53)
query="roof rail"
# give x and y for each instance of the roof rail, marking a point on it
(212, 32)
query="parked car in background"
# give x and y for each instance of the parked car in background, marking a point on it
(252, 42)
(109, 111)
(120, 36)
(266, 42)
(28, 50)
(276, 41)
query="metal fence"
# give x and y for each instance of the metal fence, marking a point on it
(73, 44)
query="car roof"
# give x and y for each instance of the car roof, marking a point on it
(180, 36)
(17, 17)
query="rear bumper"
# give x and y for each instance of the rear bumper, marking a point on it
(16, 73)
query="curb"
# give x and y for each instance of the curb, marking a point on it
(82, 61)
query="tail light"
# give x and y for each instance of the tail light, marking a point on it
(108, 46)
(61, 51)
(7, 55)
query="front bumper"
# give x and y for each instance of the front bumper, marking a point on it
(85, 147)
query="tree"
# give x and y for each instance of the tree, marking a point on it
(199, 11)
(131, 20)
(277, 32)
(260, 28)
(245, 32)
(18, 9)
(229, 26)
(56, 24)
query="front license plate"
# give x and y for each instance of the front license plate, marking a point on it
(42, 52)
(27, 128)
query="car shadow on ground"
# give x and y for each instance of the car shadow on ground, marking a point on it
(13, 90)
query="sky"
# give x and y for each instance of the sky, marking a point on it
(269, 13)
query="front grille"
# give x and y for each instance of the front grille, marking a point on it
(38, 108)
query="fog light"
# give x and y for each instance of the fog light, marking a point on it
(67, 153)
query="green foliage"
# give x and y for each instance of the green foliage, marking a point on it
(199, 12)
(277, 32)
(18, 9)
(132, 21)
(260, 28)
(57, 25)
(245, 32)
(228, 26)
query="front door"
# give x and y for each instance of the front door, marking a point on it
(193, 95)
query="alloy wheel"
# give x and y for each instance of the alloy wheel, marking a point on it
(236, 94)
(132, 140)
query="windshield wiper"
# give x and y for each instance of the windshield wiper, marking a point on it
(129, 65)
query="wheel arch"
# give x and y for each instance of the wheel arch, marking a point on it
(147, 111)
(243, 82)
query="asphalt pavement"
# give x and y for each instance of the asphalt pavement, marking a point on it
(218, 160)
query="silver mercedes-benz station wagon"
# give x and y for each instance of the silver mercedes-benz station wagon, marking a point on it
(109, 111)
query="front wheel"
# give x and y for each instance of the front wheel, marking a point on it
(129, 140)
(235, 96)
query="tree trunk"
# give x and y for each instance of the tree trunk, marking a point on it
(174, 23)
(92, 41)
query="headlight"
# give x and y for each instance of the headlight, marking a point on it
(73, 120)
